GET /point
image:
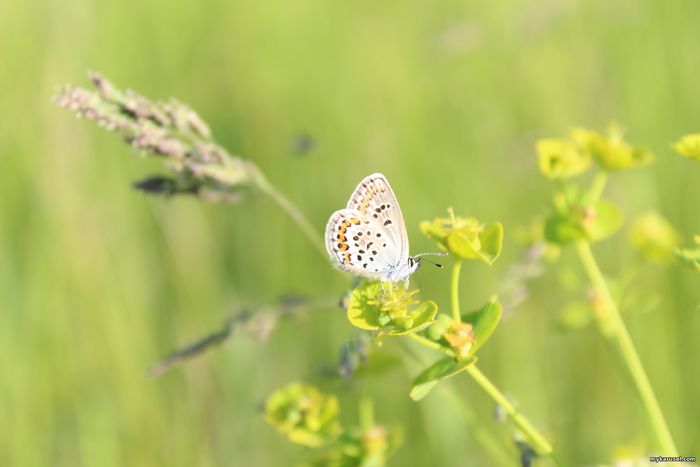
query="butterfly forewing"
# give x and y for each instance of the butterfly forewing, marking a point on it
(358, 244)
(374, 199)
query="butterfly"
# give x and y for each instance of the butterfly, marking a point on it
(368, 238)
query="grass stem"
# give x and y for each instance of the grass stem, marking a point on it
(293, 212)
(613, 328)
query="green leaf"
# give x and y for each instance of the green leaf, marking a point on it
(440, 370)
(563, 229)
(363, 314)
(486, 245)
(607, 220)
(578, 221)
(484, 322)
(463, 245)
(491, 243)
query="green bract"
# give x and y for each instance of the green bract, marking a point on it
(610, 150)
(560, 159)
(655, 238)
(389, 311)
(468, 335)
(463, 338)
(689, 146)
(466, 238)
(306, 415)
(484, 322)
(440, 370)
(575, 219)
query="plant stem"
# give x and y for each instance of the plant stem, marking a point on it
(424, 341)
(478, 430)
(456, 269)
(538, 442)
(534, 437)
(597, 187)
(498, 451)
(613, 328)
(292, 211)
(366, 413)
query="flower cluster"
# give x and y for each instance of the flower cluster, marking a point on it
(465, 237)
(565, 158)
(654, 237)
(689, 146)
(311, 418)
(304, 414)
(389, 309)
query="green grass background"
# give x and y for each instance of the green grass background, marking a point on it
(446, 98)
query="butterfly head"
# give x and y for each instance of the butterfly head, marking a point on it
(403, 272)
(414, 262)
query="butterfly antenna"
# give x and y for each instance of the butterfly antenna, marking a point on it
(442, 253)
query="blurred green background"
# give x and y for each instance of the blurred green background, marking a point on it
(446, 98)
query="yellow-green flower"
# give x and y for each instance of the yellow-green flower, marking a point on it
(560, 159)
(655, 237)
(610, 150)
(466, 237)
(389, 309)
(305, 414)
(689, 146)
(460, 337)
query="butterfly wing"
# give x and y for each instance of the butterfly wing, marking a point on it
(375, 200)
(358, 244)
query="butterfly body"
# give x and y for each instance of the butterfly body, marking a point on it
(368, 238)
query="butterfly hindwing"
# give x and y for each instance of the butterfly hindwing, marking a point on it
(358, 244)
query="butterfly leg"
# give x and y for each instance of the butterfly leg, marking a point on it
(405, 284)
